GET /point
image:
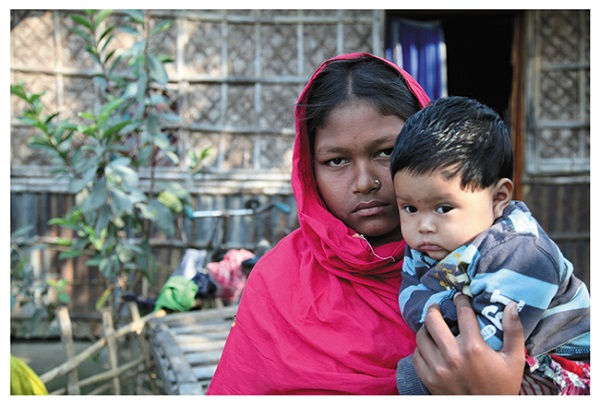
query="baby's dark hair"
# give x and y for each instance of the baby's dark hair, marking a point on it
(460, 135)
(366, 79)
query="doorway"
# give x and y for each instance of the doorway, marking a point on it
(479, 46)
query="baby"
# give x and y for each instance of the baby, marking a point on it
(452, 168)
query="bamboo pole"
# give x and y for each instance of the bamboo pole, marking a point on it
(135, 318)
(100, 377)
(92, 349)
(111, 344)
(66, 335)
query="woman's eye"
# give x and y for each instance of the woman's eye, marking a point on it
(444, 209)
(338, 161)
(409, 209)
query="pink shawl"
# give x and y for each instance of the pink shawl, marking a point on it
(319, 313)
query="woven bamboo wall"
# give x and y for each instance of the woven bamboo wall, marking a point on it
(556, 180)
(236, 77)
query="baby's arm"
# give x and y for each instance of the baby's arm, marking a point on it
(516, 270)
(419, 290)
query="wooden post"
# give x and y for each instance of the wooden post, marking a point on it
(66, 336)
(111, 344)
(136, 319)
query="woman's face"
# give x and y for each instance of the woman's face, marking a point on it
(352, 169)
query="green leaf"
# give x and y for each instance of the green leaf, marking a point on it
(81, 20)
(107, 31)
(157, 70)
(70, 254)
(122, 172)
(64, 241)
(161, 26)
(164, 218)
(95, 261)
(82, 34)
(121, 203)
(101, 17)
(110, 55)
(114, 64)
(19, 91)
(114, 129)
(103, 219)
(87, 115)
(124, 253)
(171, 201)
(173, 157)
(107, 109)
(106, 43)
(128, 29)
(63, 297)
(135, 15)
(101, 302)
(165, 59)
(146, 211)
(96, 198)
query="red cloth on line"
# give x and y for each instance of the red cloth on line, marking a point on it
(228, 273)
(319, 313)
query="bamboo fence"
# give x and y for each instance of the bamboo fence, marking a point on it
(109, 380)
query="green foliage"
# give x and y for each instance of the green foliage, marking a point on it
(114, 214)
(27, 289)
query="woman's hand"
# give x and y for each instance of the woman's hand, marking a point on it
(466, 364)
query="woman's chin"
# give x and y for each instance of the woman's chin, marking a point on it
(378, 239)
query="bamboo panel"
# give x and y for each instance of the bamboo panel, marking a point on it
(85, 283)
(187, 349)
(563, 211)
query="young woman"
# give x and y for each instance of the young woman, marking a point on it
(319, 312)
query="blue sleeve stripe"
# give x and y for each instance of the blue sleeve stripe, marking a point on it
(581, 300)
(405, 295)
(563, 265)
(409, 265)
(516, 286)
(436, 298)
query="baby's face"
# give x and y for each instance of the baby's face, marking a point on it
(436, 215)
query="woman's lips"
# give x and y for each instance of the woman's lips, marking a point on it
(370, 208)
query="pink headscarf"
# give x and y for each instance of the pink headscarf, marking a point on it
(319, 314)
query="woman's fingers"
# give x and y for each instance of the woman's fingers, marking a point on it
(468, 325)
(514, 340)
(438, 330)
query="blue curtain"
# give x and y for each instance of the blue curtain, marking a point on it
(419, 48)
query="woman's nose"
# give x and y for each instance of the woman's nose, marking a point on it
(366, 184)
(366, 180)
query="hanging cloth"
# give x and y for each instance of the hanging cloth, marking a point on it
(419, 48)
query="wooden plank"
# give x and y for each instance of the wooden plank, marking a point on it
(204, 372)
(203, 358)
(201, 328)
(177, 362)
(203, 346)
(195, 317)
(188, 346)
(205, 337)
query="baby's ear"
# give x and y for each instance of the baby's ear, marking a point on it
(502, 196)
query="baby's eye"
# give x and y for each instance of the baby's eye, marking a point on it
(336, 162)
(444, 209)
(385, 152)
(409, 209)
